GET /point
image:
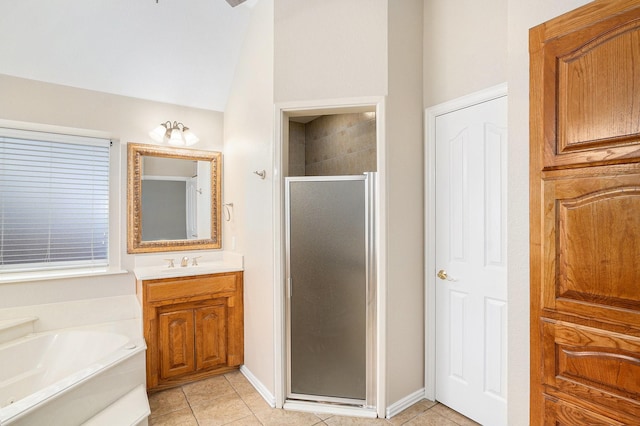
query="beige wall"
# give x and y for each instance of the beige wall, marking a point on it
(405, 211)
(123, 118)
(493, 48)
(248, 139)
(128, 119)
(326, 49)
(522, 16)
(465, 47)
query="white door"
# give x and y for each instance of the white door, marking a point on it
(470, 260)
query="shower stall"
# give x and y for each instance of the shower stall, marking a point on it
(331, 276)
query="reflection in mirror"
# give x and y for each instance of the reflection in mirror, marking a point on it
(173, 199)
(176, 196)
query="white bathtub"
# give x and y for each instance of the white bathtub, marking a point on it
(71, 377)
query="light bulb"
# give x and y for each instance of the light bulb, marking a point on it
(176, 137)
(189, 137)
(158, 134)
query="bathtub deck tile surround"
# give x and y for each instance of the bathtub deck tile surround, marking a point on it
(231, 400)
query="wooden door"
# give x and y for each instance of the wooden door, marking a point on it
(211, 335)
(471, 292)
(176, 347)
(585, 216)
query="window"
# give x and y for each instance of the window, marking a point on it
(54, 201)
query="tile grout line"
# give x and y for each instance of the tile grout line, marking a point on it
(414, 417)
(243, 401)
(321, 421)
(189, 404)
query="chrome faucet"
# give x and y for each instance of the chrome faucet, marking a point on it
(184, 262)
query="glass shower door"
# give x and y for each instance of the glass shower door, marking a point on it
(329, 269)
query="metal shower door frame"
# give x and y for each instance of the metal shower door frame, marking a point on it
(371, 284)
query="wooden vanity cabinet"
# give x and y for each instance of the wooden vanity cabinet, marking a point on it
(193, 327)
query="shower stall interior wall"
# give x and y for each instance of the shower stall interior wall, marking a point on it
(331, 288)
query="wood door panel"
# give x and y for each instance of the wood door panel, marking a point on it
(211, 335)
(592, 246)
(592, 364)
(235, 328)
(589, 76)
(587, 102)
(561, 413)
(599, 241)
(176, 343)
(191, 287)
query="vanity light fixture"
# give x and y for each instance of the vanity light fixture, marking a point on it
(174, 134)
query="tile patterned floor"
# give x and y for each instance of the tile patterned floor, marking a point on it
(231, 400)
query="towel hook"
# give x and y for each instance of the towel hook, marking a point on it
(227, 211)
(261, 173)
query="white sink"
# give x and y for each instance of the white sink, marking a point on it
(230, 262)
(181, 269)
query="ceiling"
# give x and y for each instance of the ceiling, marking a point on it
(177, 51)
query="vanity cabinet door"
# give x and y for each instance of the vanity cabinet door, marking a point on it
(176, 338)
(211, 336)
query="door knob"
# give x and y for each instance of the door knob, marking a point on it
(442, 274)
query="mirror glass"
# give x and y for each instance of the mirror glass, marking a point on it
(173, 199)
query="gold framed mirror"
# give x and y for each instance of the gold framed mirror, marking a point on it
(173, 199)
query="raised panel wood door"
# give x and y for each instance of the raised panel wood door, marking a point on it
(585, 216)
(176, 343)
(211, 335)
(586, 79)
(591, 244)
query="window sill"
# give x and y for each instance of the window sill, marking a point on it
(17, 277)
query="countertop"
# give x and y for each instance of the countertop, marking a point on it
(230, 262)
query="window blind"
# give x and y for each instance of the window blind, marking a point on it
(54, 201)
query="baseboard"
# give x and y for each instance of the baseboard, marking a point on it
(262, 389)
(392, 410)
(406, 402)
